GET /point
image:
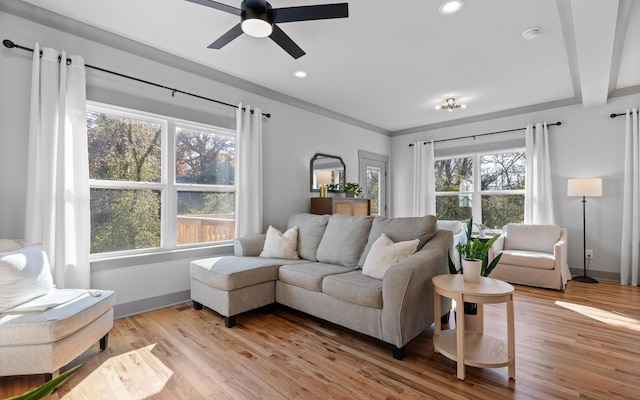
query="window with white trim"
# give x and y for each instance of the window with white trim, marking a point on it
(494, 196)
(158, 182)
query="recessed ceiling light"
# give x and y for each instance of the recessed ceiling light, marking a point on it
(450, 7)
(532, 33)
(300, 74)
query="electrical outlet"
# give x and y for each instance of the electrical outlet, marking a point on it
(588, 253)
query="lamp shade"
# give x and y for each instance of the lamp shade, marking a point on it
(323, 177)
(589, 187)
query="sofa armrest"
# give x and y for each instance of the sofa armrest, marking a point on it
(249, 246)
(407, 291)
(497, 247)
(560, 256)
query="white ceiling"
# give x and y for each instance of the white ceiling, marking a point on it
(390, 63)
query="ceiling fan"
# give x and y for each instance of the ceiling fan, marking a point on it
(258, 19)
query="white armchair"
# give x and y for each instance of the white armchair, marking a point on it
(43, 328)
(533, 255)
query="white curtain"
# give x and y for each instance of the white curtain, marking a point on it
(630, 249)
(249, 186)
(57, 206)
(538, 206)
(424, 186)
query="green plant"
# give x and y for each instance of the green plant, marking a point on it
(49, 387)
(476, 249)
(353, 187)
(482, 225)
(332, 186)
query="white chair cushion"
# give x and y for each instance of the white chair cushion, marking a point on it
(540, 238)
(28, 328)
(529, 259)
(25, 275)
(453, 226)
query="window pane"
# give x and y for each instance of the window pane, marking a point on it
(373, 189)
(124, 219)
(454, 175)
(503, 171)
(205, 217)
(457, 207)
(203, 157)
(123, 149)
(499, 210)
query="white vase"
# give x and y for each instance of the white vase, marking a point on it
(471, 269)
(483, 233)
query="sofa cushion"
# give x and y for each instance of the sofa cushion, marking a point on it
(55, 323)
(24, 275)
(354, 287)
(400, 230)
(309, 276)
(530, 259)
(310, 230)
(281, 245)
(344, 239)
(531, 237)
(231, 272)
(385, 253)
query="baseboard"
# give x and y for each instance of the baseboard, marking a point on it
(150, 304)
(602, 275)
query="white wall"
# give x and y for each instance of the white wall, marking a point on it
(291, 137)
(587, 144)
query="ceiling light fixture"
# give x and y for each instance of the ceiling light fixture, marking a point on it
(257, 23)
(532, 33)
(300, 74)
(451, 105)
(450, 7)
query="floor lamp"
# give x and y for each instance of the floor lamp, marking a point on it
(591, 187)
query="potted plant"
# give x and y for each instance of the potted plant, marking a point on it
(482, 228)
(352, 189)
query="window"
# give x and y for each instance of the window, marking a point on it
(158, 183)
(494, 196)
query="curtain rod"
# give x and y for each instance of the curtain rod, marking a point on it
(481, 134)
(9, 44)
(617, 115)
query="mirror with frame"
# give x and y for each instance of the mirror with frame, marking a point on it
(327, 169)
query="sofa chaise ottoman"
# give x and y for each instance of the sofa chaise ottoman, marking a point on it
(330, 279)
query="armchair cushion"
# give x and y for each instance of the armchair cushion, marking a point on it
(25, 275)
(529, 259)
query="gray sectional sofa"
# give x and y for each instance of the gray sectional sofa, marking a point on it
(328, 282)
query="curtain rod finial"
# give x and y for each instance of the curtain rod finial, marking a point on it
(613, 115)
(8, 44)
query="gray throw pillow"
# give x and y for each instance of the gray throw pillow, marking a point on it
(310, 230)
(344, 239)
(400, 230)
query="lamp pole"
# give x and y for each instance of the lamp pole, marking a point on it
(584, 278)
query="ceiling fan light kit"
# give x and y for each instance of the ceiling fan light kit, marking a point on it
(450, 7)
(451, 105)
(259, 19)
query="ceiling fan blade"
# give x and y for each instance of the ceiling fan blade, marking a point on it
(227, 37)
(286, 43)
(308, 13)
(218, 6)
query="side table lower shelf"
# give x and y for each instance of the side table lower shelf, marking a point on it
(480, 350)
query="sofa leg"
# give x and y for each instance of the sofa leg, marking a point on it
(104, 342)
(230, 322)
(445, 318)
(399, 352)
(197, 306)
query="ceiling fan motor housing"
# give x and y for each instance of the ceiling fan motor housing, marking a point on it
(253, 17)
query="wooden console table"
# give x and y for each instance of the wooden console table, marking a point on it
(474, 348)
(340, 205)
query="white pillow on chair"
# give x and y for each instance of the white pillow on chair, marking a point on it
(25, 275)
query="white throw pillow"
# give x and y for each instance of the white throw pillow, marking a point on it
(281, 245)
(24, 275)
(385, 253)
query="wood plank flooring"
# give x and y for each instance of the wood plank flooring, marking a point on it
(583, 343)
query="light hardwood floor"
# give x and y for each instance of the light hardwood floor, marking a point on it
(583, 343)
